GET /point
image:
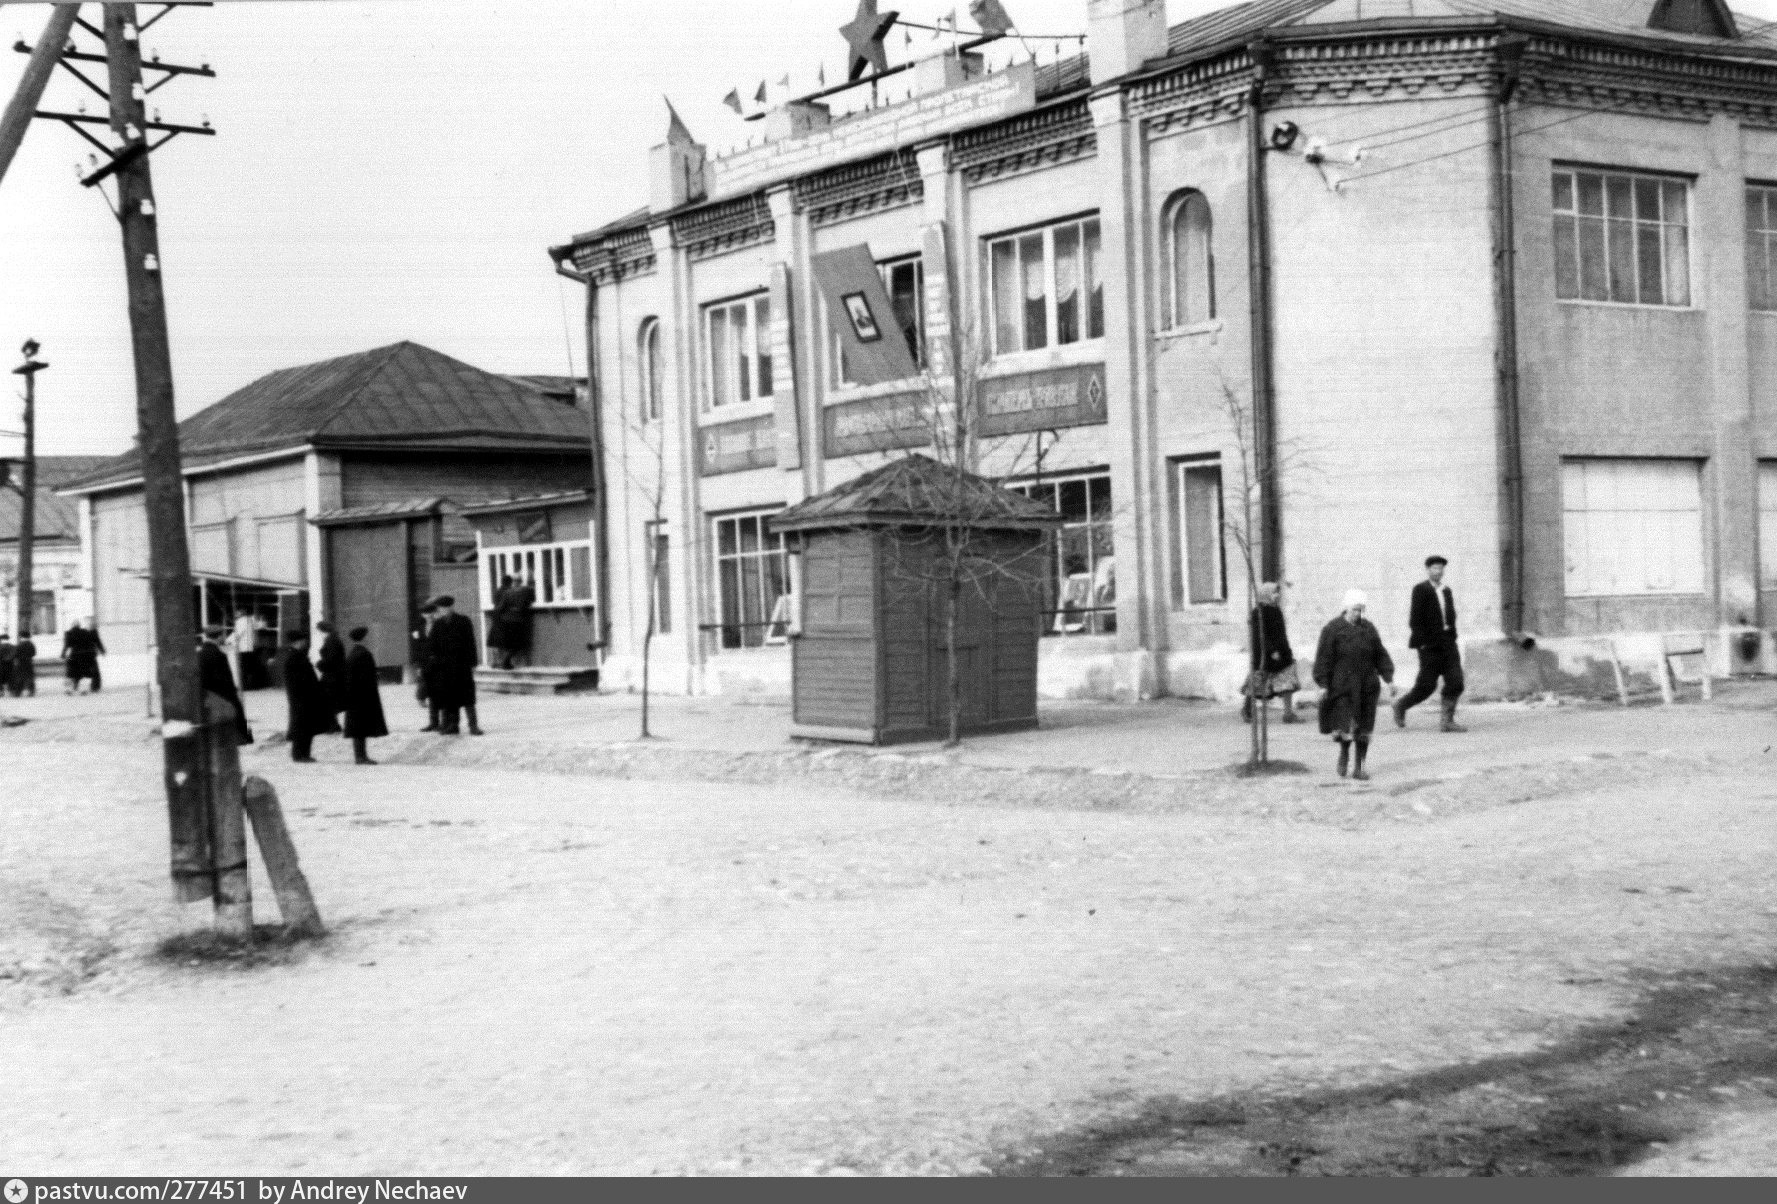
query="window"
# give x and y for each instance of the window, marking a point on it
(660, 570)
(1767, 524)
(905, 281)
(1203, 553)
(1081, 591)
(752, 574)
(1632, 527)
(1045, 287)
(1622, 238)
(43, 612)
(1190, 262)
(737, 342)
(559, 573)
(648, 356)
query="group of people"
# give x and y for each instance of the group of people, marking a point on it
(18, 666)
(81, 647)
(1351, 664)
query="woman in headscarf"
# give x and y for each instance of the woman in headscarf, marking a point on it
(363, 702)
(1349, 666)
(1273, 662)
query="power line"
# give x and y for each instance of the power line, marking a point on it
(1370, 175)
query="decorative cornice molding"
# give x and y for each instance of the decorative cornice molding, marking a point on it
(888, 182)
(1057, 134)
(621, 256)
(717, 229)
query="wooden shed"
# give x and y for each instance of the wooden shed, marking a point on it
(877, 559)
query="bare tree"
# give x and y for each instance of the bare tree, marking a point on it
(650, 434)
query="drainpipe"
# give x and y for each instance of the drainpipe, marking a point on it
(595, 403)
(1509, 50)
(1264, 418)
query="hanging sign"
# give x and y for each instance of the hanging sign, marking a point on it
(1040, 401)
(873, 424)
(737, 446)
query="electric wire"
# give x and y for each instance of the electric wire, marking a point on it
(1370, 175)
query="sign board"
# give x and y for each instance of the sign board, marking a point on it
(860, 314)
(737, 446)
(1040, 401)
(877, 131)
(873, 424)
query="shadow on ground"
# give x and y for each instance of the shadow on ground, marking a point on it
(1610, 1095)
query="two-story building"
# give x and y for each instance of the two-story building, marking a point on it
(1335, 284)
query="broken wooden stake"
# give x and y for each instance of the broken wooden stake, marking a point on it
(295, 904)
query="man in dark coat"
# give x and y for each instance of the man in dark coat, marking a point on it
(330, 665)
(8, 657)
(425, 692)
(214, 675)
(24, 668)
(1347, 666)
(364, 703)
(311, 714)
(81, 649)
(453, 653)
(1432, 620)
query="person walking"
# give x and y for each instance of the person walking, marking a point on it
(24, 667)
(1347, 666)
(330, 667)
(453, 655)
(240, 646)
(425, 691)
(214, 674)
(509, 629)
(8, 657)
(1431, 620)
(363, 700)
(81, 649)
(1276, 676)
(310, 713)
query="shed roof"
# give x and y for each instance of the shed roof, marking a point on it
(402, 395)
(533, 501)
(915, 491)
(413, 507)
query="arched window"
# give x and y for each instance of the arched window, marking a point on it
(648, 348)
(1190, 261)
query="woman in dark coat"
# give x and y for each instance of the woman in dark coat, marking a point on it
(330, 665)
(24, 667)
(364, 704)
(1347, 666)
(215, 677)
(311, 714)
(1274, 676)
(81, 648)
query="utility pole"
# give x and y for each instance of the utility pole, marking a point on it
(20, 109)
(28, 488)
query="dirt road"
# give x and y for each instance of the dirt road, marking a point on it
(551, 973)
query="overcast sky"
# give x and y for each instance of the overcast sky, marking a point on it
(386, 170)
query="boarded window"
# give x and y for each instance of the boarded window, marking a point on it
(1632, 527)
(1200, 531)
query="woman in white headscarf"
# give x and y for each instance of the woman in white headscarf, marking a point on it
(1350, 666)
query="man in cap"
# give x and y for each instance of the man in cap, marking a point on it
(1432, 621)
(214, 675)
(454, 652)
(426, 692)
(310, 713)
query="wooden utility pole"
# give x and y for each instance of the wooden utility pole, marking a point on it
(181, 705)
(37, 72)
(28, 490)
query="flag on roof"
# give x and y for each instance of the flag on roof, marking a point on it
(676, 133)
(732, 100)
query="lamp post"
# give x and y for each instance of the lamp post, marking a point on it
(28, 487)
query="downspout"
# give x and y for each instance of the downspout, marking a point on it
(1509, 50)
(595, 403)
(1258, 243)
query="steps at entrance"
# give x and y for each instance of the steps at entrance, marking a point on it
(538, 679)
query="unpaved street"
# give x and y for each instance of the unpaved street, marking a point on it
(544, 972)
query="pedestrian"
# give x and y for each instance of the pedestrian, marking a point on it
(242, 643)
(1276, 677)
(310, 715)
(330, 664)
(81, 649)
(215, 677)
(8, 657)
(509, 627)
(1432, 621)
(454, 655)
(422, 662)
(24, 667)
(1347, 666)
(364, 703)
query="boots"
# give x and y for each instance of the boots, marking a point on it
(1400, 713)
(1344, 756)
(474, 725)
(360, 751)
(1357, 771)
(1450, 724)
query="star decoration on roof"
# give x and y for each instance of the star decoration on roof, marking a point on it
(863, 37)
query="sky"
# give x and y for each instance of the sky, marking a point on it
(387, 170)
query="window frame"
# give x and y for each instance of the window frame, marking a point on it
(1172, 237)
(1766, 510)
(1573, 532)
(744, 629)
(549, 567)
(1090, 283)
(756, 362)
(1568, 241)
(1055, 583)
(648, 365)
(1181, 466)
(657, 549)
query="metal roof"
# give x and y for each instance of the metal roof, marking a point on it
(56, 518)
(417, 507)
(402, 395)
(531, 501)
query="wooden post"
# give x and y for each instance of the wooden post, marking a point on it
(295, 904)
(233, 887)
(44, 57)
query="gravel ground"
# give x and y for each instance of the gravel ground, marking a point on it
(626, 961)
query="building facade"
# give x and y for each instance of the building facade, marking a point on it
(1324, 285)
(58, 593)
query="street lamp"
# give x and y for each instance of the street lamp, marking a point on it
(27, 487)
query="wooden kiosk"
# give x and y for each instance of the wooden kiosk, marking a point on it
(878, 559)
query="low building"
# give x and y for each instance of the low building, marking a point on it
(58, 588)
(376, 444)
(1334, 284)
(546, 542)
